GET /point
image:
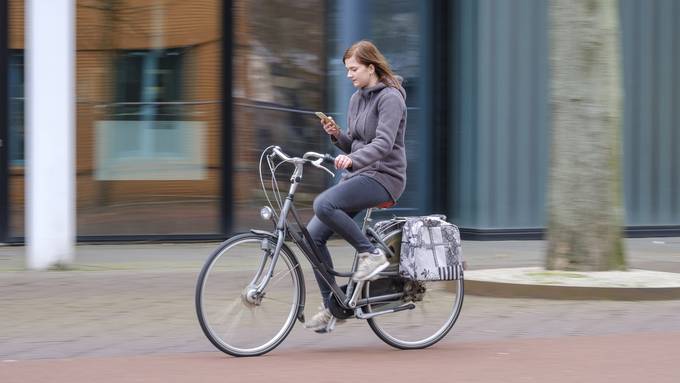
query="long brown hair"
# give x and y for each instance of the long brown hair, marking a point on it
(367, 53)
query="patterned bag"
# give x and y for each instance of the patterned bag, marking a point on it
(430, 249)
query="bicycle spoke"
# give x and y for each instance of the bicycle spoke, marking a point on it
(237, 327)
(233, 323)
(221, 317)
(275, 300)
(274, 281)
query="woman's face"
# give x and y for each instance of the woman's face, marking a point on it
(358, 73)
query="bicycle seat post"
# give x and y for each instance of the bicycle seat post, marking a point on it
(367, 219)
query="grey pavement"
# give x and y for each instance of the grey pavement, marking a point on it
(137, 299)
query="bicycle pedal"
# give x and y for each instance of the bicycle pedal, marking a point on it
(329, 327)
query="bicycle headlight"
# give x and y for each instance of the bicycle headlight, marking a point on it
(266, 213)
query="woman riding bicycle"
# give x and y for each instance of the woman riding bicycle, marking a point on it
(375, 160)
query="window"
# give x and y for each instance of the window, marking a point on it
(149, 85)
(16, 107)
(149, 117)
(146, 136)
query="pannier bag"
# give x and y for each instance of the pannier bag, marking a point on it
(430, 249)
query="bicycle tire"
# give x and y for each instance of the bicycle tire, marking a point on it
(236, 278)
(379, 324)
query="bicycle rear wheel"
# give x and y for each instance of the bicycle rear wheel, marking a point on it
(234, 320)
(437, 306)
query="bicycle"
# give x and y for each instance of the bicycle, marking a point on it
(251, 289)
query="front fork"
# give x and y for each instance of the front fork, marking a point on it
(266, 246)
(267, 253)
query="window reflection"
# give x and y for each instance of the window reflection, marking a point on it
(278, 83)
(149, 85)
(16, 117)
(149, 100)
(16, 107)
(148, 123)
(396, 29)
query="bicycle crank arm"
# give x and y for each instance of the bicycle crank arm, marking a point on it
(359, 313)
(352, 303)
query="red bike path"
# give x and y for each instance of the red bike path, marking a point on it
(635, 357)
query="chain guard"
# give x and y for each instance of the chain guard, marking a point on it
(384, 286)
(336, 308)
(413, 292)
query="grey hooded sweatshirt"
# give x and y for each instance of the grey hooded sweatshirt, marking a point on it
(376, 124)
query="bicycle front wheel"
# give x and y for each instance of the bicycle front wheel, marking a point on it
(437, 306)
(234, 319)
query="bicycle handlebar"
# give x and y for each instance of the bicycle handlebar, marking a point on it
(328, 159)
(306, 158)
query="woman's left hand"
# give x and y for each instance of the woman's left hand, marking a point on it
(343, 162)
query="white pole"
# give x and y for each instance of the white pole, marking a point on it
(50, 133)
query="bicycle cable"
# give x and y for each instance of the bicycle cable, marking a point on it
(264, 189)
(275, 186)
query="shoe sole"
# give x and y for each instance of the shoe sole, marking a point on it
(317, 327)
(373, 273)
(330, 326)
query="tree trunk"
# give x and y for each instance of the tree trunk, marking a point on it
(585, 213)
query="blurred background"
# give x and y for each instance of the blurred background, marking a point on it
(176, 100)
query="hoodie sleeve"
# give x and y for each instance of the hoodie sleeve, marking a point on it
(390, 112)
(343, 142)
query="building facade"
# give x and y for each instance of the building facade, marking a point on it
(174, 102)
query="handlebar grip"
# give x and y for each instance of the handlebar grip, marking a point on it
(328, 159)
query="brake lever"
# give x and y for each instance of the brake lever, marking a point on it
(318, 162)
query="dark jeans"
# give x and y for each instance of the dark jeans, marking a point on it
(333, 212)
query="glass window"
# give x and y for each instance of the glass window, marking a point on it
(16, 117)
(149, 85)
(279, 82)
(397, 29)
(149, 117)
(16, 107)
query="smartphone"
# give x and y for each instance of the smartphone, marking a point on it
(322, 116)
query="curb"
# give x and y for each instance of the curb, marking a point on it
(517, 290)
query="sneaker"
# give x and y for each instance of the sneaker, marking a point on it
(329, 327)
(322, 322)
(370, 264)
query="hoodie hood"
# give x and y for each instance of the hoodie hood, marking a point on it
(367, 91)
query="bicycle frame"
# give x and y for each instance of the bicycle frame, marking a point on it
(304, 242)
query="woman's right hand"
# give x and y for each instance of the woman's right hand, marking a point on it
(330, 127)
